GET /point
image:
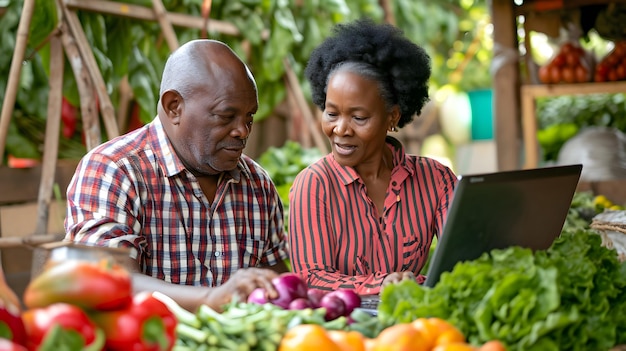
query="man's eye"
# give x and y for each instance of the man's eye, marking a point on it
(359, 118)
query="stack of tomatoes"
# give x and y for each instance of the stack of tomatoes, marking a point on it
(613, 66)
(570, 65)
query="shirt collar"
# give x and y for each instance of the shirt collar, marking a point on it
(171, 163)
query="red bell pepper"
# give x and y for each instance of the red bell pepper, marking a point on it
(101, 285)
(146, 325)
(62, 326)
(11, 324)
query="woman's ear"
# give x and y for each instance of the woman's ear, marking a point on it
(172, 104)
(394, 116)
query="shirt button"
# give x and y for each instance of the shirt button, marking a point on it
(394, 183)
(217, 254)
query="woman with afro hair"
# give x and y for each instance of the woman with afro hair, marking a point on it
(364, 215)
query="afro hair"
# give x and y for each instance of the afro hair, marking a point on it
(383, 46)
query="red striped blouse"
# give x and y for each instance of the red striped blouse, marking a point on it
(336, 239)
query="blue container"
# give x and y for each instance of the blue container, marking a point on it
(482, 114)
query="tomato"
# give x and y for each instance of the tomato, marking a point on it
(307, 337)
(620, 70)
(400, 337)
(544, 74)
(348, 340)
(457, 346)
(602, 68)
(567, 48)
(493, 345)
(559, 60)
(599, 78)
(619, 51)
(555, 74)
(572, 59)
(567, 74)
(581, 74)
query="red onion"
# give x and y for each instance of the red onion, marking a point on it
(315, 296)
(289, 287)
(335, 307)
(257, 296)
(300, 304)
(349, 297)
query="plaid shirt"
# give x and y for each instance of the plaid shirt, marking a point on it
(339, 240)
(134, 192)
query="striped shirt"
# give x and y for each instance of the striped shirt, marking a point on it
(337, 241)
(134, 192)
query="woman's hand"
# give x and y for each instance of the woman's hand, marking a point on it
(397, 277)
(241, 284)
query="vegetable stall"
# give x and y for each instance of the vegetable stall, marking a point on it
(571, 296)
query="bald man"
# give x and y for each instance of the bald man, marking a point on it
(202, 221)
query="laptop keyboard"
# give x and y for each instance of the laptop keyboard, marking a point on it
(370, 301)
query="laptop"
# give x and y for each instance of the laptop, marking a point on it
(525, 208)
(489, 211)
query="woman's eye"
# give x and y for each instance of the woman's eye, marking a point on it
(359, 118)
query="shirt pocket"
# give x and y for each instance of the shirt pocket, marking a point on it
(412, 252)
(251, 249)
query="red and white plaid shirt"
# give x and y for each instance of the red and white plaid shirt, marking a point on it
(133, 191)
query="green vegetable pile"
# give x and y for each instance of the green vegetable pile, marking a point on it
(569, 297)
(249, 326)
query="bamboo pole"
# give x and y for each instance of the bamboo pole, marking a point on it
(91, 127)
(89, 61)
(294, 85)
(147, 14)
(166, 25)
(53, 126)
(14, 73)
(30, 241)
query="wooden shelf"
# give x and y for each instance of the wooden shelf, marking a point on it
(539, 90)
(529, 119)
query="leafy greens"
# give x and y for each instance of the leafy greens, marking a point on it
(569, 297)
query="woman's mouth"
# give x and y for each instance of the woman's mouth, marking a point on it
(344, 149)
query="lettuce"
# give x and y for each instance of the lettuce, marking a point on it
(569, 297)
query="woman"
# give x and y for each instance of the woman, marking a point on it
(364, 216)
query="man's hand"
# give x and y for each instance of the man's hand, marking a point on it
(241, 284)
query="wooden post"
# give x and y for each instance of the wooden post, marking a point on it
(14, 73)
(53, 126)
(506, 109)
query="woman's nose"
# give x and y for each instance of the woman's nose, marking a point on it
(341, 127)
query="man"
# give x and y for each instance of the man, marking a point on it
(179, 193)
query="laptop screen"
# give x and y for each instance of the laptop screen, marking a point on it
(524, 208)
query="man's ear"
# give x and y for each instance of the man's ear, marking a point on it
(172, 104)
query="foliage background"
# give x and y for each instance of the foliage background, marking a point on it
(448, 29)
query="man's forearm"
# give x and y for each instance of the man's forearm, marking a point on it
(187, 296)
